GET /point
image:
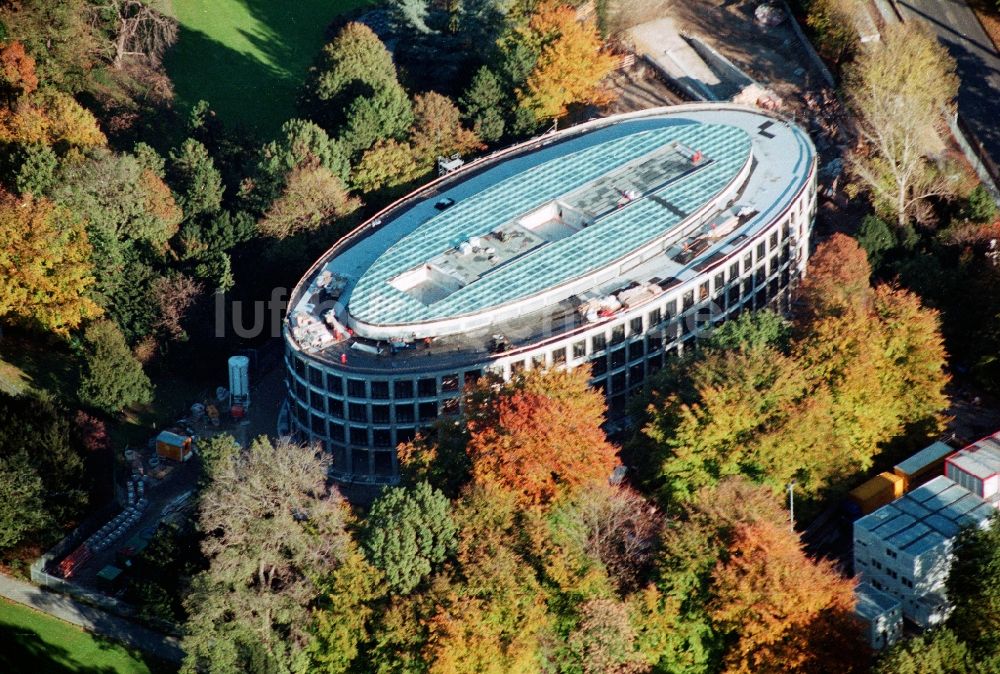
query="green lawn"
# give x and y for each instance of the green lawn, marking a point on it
(38, 644)
(248, 58)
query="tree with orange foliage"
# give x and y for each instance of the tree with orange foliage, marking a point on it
(571, 64)
(787, 613)
(17, 72)
(437, 129)
(45, 264)
(837, 281)
(49, 117)
(538, 434)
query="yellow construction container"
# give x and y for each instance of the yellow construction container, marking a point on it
(173, 446)
(877, 492)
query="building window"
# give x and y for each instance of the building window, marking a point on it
(449, 407)
(356, 388)
(517, 366)
(449, 383)
(427, 387)
(670, 308)
(579, 349)
(335, 384)
(317, 401)
(559, 356)
(598, 343)
(654, 343)
(382, 462)
(405, 435)
(380, 390)
(655, 317)
(635, 326)
(617, 358)
(337, 432)
(318, 424)
(427, 411)
(773, 241)
(720, 280)
(300, 367)
(636, 350)
(687, 300)
(747, 263)
(703, 292)
(538, 362)
(472, 376)
(404, 414)
(382, 438)
(618, 382)
(636, 374)
(760, 251)
(618, 334)
(316, 377)
(380, 414)
(734, 271)
(359, 436)
(357, 412)
(598, 365)
(335, 408)
(759, 276)
(402, 389)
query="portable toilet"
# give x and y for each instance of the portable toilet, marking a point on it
(173, 446)
(239, 383)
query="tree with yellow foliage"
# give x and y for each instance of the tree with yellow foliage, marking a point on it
(45, 265)
(571, 63)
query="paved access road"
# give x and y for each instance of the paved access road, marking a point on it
(92, 619)
(978, 64)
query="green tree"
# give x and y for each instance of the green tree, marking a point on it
(899, 88)
(342, 620)
(121, 199)
(301, 143)
(935, 652)
(974, 591)
(386, 164)
(22, 506)
(981, 206)
(875, 237)
(356, 91)
(111, 378)
(408, 533)
(37, 170)
(753, 330)
(35, 433)
(273, 531)
(195, 178)
(484, 105)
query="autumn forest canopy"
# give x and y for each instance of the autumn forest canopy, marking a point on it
(521, 538)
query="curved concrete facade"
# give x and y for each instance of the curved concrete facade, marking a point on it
(361, 390)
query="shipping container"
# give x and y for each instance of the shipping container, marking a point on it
(871, 495)
(924, 465)
(173, 446)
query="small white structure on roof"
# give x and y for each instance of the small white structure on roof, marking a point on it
(882, 613)
(905, 548)
(977, 468)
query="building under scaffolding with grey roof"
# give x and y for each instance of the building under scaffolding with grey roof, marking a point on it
(905, 548)
(612, 244)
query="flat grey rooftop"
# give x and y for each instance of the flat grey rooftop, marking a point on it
(550, 211)
(981, 458)
(927, 516)
(872, 603)
(934, 452)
